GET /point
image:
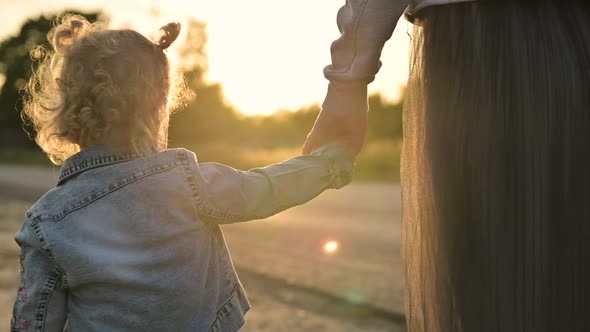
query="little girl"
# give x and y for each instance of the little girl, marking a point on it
(129, 239)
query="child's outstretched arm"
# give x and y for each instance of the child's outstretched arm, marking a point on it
(41, 301)
(226, 195)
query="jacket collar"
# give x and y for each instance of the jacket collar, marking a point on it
(92, 157)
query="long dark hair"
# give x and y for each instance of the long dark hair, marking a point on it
(496, 168)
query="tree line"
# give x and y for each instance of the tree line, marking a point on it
(208, 117)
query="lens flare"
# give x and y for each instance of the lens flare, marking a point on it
(330, 247)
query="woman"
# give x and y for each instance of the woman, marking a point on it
(496, 188)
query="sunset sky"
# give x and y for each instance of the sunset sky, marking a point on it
(267, 54)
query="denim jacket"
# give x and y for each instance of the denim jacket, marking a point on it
(132, 243)
(365, 26)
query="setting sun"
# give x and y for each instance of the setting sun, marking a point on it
(268, 55)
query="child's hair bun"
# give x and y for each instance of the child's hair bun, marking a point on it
(168, 35)
(70, 29)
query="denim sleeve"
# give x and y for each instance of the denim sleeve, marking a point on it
(41, 299)
(365, 26)
(227, 195)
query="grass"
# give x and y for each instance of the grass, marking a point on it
(23, 157)
(379, 160)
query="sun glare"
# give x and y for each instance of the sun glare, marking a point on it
(331, 247)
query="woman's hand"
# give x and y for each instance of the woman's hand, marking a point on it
(348, 129)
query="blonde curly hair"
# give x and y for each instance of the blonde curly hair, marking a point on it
(100, 86)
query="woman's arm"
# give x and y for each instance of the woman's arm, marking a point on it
(365, 26)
